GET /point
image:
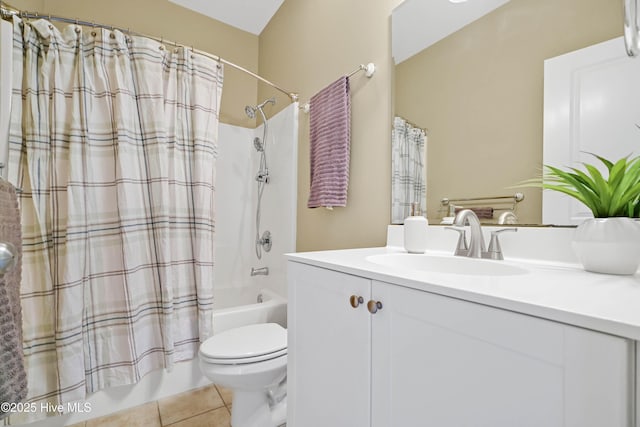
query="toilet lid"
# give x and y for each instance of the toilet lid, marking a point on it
(253, 342)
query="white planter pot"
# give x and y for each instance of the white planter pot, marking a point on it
(608, 245)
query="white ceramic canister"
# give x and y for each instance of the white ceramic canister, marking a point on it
(608, 245)
(415, 233)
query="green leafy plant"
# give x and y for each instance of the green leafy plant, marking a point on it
(618, 195)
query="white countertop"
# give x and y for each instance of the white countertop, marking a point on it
(560, 292)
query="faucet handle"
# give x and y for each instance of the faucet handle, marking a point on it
(462, 249)
(495, 250)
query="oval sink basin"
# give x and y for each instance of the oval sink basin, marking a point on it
(446, 264)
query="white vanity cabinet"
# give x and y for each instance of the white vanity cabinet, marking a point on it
(329, 349)
(440, 361)
(428, 360)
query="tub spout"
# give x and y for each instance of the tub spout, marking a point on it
(262, 271)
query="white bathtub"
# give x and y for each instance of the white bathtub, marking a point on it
(242, 309)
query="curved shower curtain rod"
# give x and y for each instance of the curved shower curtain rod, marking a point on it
(7, 12)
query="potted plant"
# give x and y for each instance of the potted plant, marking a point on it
(609, 242)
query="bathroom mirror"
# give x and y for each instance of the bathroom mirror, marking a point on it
(479, 93)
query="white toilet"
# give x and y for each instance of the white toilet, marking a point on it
(252, 362)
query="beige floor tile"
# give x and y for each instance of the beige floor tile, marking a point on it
(226, 393)
(140, 416)
(189, 404)
(217, 418)
(82, 424)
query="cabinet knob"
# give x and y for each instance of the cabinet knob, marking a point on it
(374, 306)
(356, 301)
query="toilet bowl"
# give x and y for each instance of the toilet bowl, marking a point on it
(252, 362)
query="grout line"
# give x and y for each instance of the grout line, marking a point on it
(159, 415)
(199, 413)
(196, 415)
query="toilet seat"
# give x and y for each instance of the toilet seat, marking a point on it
(246, 344)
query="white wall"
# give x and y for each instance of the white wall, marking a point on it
(236, 200)
(235, 210)
(279, 200)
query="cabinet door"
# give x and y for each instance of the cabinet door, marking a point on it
(329, 349)
(443, 362)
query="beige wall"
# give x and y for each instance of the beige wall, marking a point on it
(164, 19)
(307, 45)
(480, 94)
(28, 5)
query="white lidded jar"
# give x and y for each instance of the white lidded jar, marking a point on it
(415, 231)
(608, 245)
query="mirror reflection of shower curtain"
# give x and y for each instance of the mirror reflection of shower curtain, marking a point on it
(114, 143)
(408, 172)
(631, 27)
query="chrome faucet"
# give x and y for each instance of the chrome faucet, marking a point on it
(507, 217)
(476, 247)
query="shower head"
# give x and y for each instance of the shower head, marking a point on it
(251, 111)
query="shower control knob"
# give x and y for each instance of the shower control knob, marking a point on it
(374, 306)
(265, 241)
(356, 301)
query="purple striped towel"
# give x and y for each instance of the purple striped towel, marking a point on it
(481, 213)
(330, 141)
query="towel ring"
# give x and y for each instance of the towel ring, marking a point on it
(8, 257)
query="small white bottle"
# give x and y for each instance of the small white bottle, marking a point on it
(415, 231)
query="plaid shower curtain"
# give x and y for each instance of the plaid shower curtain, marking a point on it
(113, 142)
(408, 179)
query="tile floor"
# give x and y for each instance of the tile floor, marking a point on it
(204, 407)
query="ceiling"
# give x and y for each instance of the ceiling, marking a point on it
(248, 15)
(417, 24)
